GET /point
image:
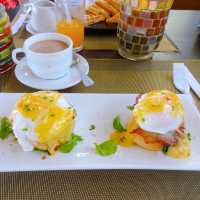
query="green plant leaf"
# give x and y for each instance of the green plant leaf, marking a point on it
(106, 148)
(92, 127)
(131, 107)
(189, 136)
(117, 124)
(165, 149)
(5, 128)
(69, 146)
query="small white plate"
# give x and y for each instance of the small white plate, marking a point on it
(30, 29)
(25, 76)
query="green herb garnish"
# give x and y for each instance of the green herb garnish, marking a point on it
(5, 128)
(131, 107)
(45, 97)
(25, 129)
(165, 149)
(117, 124)
(189, 136)
(27, 108)
(106, 148)
(67, 147)
(143, 119)
(92, 127)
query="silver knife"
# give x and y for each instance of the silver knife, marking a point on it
(180, 79)
(194, 84)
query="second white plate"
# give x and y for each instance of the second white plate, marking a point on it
(25, 76)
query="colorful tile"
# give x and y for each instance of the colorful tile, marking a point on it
(153, 5)
(143, 4)
(154, 15)
(135, 39)
(139, 22)
(135, 13)
(137, 47)
(144, 40)
(127, 37)
(162, 4)
(141, 31)
(129, 46)
(148, 23)
(131, 30)
(156, 23)
(130, 20)
(145, 14)
(145, 48)
(157, 31)
(150, 32)
(152, 40)
(162, 14)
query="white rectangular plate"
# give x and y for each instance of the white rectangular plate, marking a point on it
(98, 109)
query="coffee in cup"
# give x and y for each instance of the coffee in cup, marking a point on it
(48, 55)
(48, 46)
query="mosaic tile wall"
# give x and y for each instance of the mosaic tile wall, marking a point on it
(141, 31)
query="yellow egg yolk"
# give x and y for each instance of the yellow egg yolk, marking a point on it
(155, 102)
(53, 123)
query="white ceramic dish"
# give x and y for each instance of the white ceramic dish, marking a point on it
(98, 109)
(30, 29)
(25, 76)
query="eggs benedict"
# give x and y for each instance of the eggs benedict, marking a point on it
(43, 120)
(157, 124)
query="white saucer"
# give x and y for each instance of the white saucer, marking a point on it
(25, 76)
(30, 29)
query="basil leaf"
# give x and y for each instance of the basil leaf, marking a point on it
(131, 107)
(76, 138)
(165, 149)
(92, 127)
(5, 128)
(106, 148)
(117, 124)
(69, 146)
(189, 136)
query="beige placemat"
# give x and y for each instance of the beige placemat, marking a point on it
(101, 42)
(111, 76)
(109, 42)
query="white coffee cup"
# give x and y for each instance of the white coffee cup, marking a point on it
(46, 65)
(44, 16)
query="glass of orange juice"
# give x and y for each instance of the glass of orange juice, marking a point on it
(74, 28)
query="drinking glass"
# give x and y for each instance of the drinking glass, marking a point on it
(74, 28)
(141, 27)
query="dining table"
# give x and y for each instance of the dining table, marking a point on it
(114, 74)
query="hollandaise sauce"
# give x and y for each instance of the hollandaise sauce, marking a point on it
(53, 122)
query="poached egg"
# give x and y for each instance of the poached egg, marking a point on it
(159, 111)
(42, 120)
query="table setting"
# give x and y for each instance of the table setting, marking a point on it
(98, 100)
